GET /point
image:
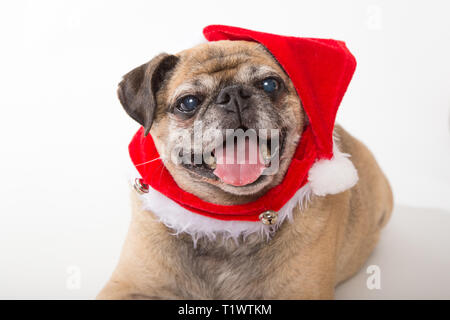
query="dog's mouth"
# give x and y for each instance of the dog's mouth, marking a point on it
(237, 162)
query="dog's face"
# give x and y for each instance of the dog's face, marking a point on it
(190, 101)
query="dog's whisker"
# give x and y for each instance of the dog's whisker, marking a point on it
(141, 164)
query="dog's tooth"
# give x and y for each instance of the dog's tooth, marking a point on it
(265, 152)
(210, 161)
(212, 165)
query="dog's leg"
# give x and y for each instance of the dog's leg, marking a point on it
(307, 269)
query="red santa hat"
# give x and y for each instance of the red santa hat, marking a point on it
(320, 70)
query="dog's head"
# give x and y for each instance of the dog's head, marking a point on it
(189, 102)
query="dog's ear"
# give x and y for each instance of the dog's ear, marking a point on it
(137, 91)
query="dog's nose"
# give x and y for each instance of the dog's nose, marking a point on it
(234, 98)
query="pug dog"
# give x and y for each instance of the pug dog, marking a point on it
(239, 84)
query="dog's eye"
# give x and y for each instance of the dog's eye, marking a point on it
(269, 85)
(188, 104)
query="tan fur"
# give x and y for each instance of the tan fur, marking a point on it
(325, 243)
(212, 64)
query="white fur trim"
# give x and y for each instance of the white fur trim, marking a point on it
(325, 177)
(181, 220)
(332, 176)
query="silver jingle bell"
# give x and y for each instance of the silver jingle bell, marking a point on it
(140, 186)
(268, 217)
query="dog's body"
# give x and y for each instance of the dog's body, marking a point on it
(327, 241)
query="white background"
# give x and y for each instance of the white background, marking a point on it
(64, 136)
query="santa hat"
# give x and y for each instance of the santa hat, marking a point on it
(320, 70)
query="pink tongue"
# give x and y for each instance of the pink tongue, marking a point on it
(237, 169)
